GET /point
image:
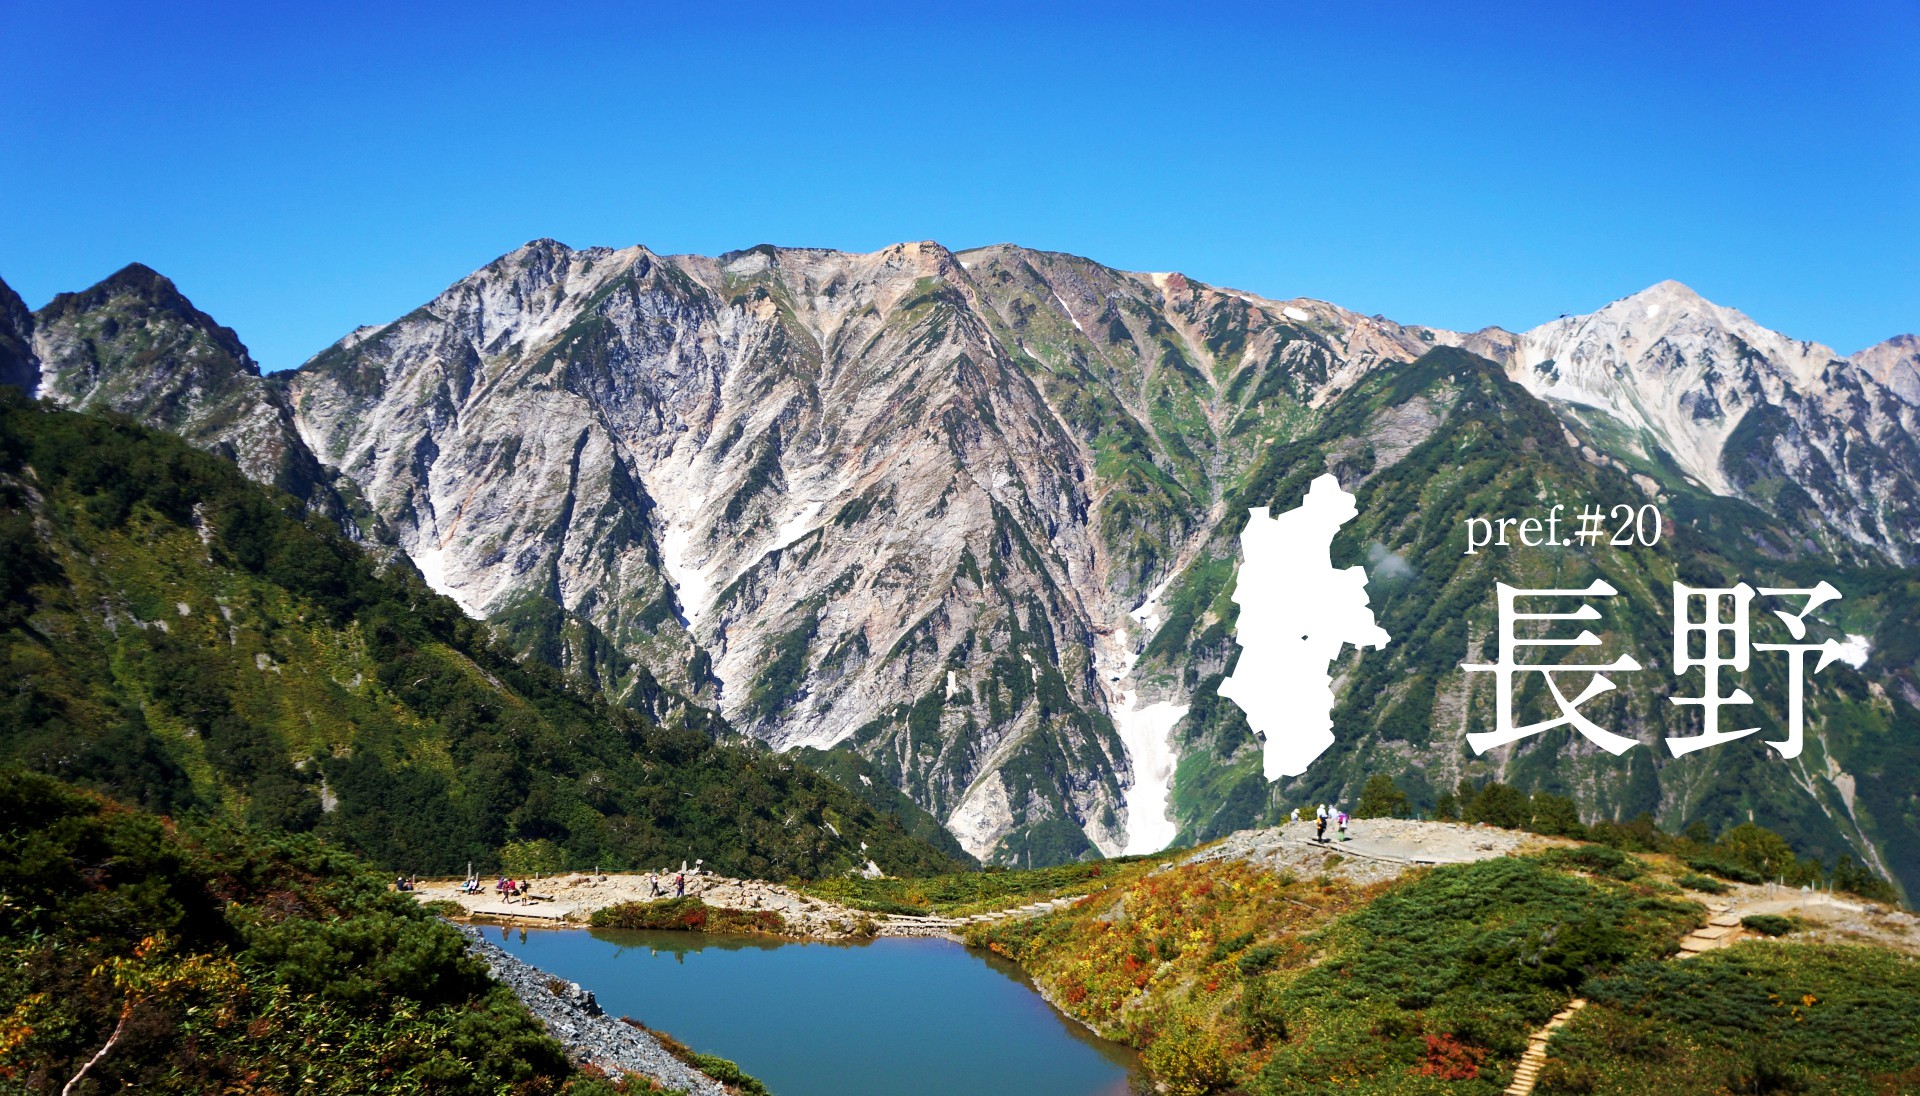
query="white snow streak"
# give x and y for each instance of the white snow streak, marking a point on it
(1144, 731)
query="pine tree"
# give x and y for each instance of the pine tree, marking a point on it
(1381, 798)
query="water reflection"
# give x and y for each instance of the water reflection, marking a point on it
(860, 1018)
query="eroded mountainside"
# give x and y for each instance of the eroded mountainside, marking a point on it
(970, 515)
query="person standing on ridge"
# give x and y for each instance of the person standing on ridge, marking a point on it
(1343, 825)
(1320, 823)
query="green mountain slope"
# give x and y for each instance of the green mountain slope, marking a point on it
(1426, 446)
(187, 640)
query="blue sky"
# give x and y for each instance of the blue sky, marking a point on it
(302, 172)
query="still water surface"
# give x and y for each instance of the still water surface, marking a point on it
(890, 1017)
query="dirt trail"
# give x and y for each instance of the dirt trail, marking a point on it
(1824, 917)
(1376, 849)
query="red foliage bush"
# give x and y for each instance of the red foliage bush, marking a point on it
(1449, 1059)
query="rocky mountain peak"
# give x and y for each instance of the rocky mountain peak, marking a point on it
(136, 294)
(1894, 365)
(1668, 364)
(134, 343)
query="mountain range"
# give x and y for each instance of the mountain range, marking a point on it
(966, 522)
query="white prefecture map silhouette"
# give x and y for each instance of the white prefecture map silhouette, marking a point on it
(1296, 611)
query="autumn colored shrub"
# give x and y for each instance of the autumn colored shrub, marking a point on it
(1188, 1061)
(194, 959)
(1449, 1059)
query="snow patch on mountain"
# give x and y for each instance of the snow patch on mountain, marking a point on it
(1145, 729)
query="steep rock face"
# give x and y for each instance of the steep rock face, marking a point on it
(134, 344)
(18, 365)
(1666, 378)
(807, 486)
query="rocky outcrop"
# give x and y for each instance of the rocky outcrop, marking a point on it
(574, 1018)
(1894, 365)
(18, 365)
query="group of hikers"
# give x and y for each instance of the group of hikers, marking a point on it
(1324, 814)
(509, 888)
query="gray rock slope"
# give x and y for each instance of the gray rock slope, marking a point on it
(573, 1017)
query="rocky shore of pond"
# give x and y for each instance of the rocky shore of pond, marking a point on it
(573, 1017)
(570, 899)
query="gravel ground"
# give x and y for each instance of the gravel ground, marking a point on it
(572, 897)
(590, 1035)
(1377, 849)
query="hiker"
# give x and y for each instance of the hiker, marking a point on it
(1343, 825)
(1320, 819)
(653, 885)
(680, 885)
(1295, 816)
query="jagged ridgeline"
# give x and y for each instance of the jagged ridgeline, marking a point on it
(191, 641)
(1426, 446)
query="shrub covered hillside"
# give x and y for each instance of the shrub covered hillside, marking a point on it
(189, 641)
(201, 960)
(1231, 977)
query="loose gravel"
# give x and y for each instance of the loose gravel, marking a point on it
(573, 1017)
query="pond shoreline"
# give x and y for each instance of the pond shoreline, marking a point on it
(574, 1018)
(870, 1017)
(572, 899)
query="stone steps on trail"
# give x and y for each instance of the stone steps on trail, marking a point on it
(1527, 1074)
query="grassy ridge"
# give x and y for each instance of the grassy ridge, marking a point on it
(961, 893)
(1230, 977)
(688, 915)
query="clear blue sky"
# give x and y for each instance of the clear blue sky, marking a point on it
(302, 172)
